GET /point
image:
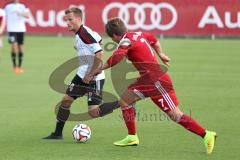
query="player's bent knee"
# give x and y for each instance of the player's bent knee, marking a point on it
(67, 100)
(175, 114)
(128, 98)
(94, 112)
(123, 103)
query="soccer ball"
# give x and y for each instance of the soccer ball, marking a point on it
(81, 133)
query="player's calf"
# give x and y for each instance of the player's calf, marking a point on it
(187, 122)
(62, 116)
(107, 108)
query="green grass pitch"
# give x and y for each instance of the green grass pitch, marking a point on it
(206, 76)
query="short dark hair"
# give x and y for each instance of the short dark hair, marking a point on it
(115, 26)
(77, 11)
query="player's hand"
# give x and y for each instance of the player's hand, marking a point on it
(98, 71)
(88, 78)
(165, 59)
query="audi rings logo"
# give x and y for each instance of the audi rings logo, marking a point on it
(140, 15)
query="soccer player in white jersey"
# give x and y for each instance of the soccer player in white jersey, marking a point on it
(2, 25)
(90, 53)
(16, 13)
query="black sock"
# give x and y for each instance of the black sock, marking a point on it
(62, 116)
(13, 54)
(20, 59)
(59, 128)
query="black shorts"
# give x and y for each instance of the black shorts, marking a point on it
(78, 88)
(16, 37)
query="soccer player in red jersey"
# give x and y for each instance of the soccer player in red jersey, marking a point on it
(153, 82)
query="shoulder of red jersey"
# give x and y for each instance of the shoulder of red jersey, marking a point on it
(125, 42)
(151, 39)
(128, 39)
(133, 36)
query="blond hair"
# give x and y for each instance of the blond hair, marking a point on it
(77, 11)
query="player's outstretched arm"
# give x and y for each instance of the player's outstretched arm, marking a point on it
(105, 66)
(112, 60)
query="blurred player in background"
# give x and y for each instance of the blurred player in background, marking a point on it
(16, 13)
(153, 83)
(87, 44)
(2, 25)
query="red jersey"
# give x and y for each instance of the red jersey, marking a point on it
(136, 46)
(153, 81)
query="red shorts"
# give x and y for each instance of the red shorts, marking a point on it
(160, 91)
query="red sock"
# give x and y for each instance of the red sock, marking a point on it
(129, 118)
(191, 125)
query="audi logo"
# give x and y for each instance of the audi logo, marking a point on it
(140, 15)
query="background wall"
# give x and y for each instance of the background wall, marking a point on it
(169, 17)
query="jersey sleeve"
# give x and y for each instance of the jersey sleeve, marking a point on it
(90, 38)
(97, 37)
(120, 52)
(95, 47)
(151, 39)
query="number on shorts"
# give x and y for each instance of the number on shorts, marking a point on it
(161, 102)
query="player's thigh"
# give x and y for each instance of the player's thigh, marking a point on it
(165, 96)
(128, 98)
(20, 38)
(166, 101)
(77, 88)
(12, 37)
(95, 97)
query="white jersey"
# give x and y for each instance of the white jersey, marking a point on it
(87, 43)
(16, 22)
